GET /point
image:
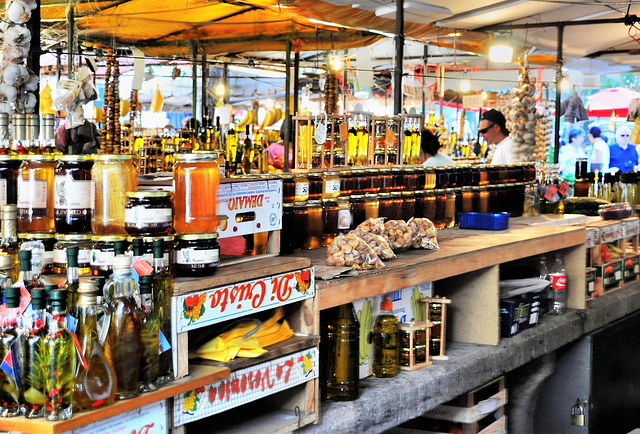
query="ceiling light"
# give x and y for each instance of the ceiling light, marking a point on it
(484, 95)
(335, 63)
(220, 89)
(465, 85)
(501, 51)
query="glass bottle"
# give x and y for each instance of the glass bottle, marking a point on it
(62, 362)
(9, 241)
(162, 293)
(33, 362)
(10, 393)
(73, 277)
(25, 277)
(19, 134)
(9, 166)
(96, 386)
(122, 344)
(49, 135)
(73, 194)
(386, 348)
(558, 277)
(35, 194)
(149, 338)
(344, 215)
(343, 340)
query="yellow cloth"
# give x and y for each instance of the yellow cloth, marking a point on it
(157, 102)
(46, 101)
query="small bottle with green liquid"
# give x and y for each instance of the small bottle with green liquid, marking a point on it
(386, 341)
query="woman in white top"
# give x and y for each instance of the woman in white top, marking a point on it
(429, 154)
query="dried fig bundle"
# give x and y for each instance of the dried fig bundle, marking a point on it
(425, 233)
(399, 235)
(374, 226)
(352, 251)
(377, 242)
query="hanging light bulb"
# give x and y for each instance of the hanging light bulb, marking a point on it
(484, 95)
(335, 63)
(220, 89)
(500, 51)
(465, 84)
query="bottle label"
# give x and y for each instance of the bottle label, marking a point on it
(47, 258)
(302, 188)
(558, 281)
(139, 215)
(3, 191)
(332, 186)
(192, 256)
(32, 195)
(60, 257)
(70, 194)
(344, 219)
(101, 259)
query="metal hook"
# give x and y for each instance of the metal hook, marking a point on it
(299, 414)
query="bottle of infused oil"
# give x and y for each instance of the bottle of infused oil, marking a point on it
(62, 361)
(162, 293)
(343, 346)
(10, 393)
(122, 344)
(149, 332)
(386, 348)
(71, 284)
(96, 386)
(35, 360)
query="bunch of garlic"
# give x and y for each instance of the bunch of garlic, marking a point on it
(523, 117)
(18, 84)
(544, 130)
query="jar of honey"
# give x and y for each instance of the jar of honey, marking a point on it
(384, 205)
(371, 206)
(330, 185)
(315, 186)
(313, 239)
(196, 179)
(430, 178)
(409, 178)
(450, 208)
(346, 182)
(301, 223)
(35, 194)
(288, 188)
(374, 180)
(442, 177)
(356, 203)
(113, 176)
(395, 211)
(397, 174)
(287, 236)
(467, 199)
(480, 199)
(421, 177)
(301, 188)
(439, 217)
(386, 181)
(408, 205)
(329, 220)
(360, 178)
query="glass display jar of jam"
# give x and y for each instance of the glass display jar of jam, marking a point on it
(113, 176)
(48, 239)
(288, 188)
(287, 236)
(360, 181)
(315, 186)
(397, 175)
(73, 194)
(148, 212)
(439, 218)
(374, 180)
(196, 178)
(329, 220)
(84, 244)
(386, 181)
(103, 251)
(35, 194)
(301, 187)
(358, 215)
(408, 205)
(301, 223)
(346, 182)
(430, 178)
(313, 239)
(147, 248)
(409, 178)
(330, 185)
(9, 165)
(371, 206)
(196, 255)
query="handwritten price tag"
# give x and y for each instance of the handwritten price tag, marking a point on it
(389, 137)
(344, 132)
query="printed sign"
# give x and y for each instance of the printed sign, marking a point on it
(630, 227)
(472, 101)
(220, 304)
(246, 385)
(250, 207)
(610, 233)
(150, 419)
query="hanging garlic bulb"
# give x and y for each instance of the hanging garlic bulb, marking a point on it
(17, 35)
(15, 74)
(6, 108)
(8, 93)
(18, 12)
(26, 102)
(32, 83)
(14, 53)
(30, 4)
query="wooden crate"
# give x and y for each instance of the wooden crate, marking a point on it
(415, 337)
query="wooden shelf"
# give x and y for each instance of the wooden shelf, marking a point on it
(199, 376)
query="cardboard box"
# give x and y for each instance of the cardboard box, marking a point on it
(631, 267)
(610, 273)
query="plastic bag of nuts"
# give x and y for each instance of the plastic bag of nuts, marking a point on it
(374, 226)
(399, 235)
(425, 233)
(352, 251)
(376, 242)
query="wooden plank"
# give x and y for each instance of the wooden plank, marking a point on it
(200, 376)
(465, 252)
(575, 259)
(240, 272)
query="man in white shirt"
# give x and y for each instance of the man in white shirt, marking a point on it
(493, 128)
(600, 154)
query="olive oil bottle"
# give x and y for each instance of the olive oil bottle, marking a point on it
(73, 277)
(162, 293)
(35, 359)
(386, 340)
(149, 337)
(343, 346)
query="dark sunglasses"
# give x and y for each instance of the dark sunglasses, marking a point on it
(484, 130)
(624, 135)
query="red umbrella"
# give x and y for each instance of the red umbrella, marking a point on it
(607, 101)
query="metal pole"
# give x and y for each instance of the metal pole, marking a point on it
(425, 58)
(194, 84)
(287, 107)
(559, 62)
(203, 85)
(397, 72)
(296, 81)
(70, 38)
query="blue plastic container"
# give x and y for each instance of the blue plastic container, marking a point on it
(484, 220)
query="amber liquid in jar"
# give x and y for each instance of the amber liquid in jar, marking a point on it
(430, 179)
(35, 195)
(429, 208)
(386, 181)
(371, 206)
(196, 180)
(329, 221)
(358, 213)
(450, 209)
(315, 186)
(395, 210)
(409, 179)
(288, 189)
(346, 182)
(408, 205)
(439, 219)
(314, 225)
(480, 200)
(301, 221)
(287, 236)
(467, 200)
(113, 176)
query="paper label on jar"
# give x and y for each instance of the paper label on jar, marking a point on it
(47, 258)
(302, 188)
(344, 219)
(139, 215)
(192, 256)
(332, 187)
(101, 259)
(32, 194)
(3, 191)
(71, 194)
(60, 256)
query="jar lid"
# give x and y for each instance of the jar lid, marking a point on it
(145, 194)
(84, 157)
(36, 157)
(313, 175)
(330, 173)
(195, 237)
(345, 172)
(370, 196)
(36, 235)
(396, 169)
(301, 175)
(113, 157)
(73, 237)
(193, 158)
(288, 205)
(328, 200)
(384, 195)
(109, 238)
(373, 170)
(5, 261)
(313, 202)
(9, 157)
(286, 175)
(300, 203)
(357, 196)
(408, 193)
(395, 193)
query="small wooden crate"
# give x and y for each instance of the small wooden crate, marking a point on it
(438, 334)
(415, 337)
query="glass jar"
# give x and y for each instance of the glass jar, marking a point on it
(315, 186)
(421, 177)
(73, 194)
(330, 185)
(465, 176)
(148, 212)
(429, 207)
(103, 251)
(35, 194)
(196, 178)
(360, 181)
(287, 236)
(344, 215)
(452, 175)
(442, 177)
(84, 244)
(113, 176)
(196, 255)
(386, 181)
(480, 199)
(374, 180)
(288, 188)
(301, 222)
(397, 175)
(450, 208)
(9, 165)
(346, 182)
(314, 225)
(420, 196)
(329, 221)
(439, 218)
(483, 176)
(430, 178)
(302, 188)
(356, 202)
(408, 209)
(409, 178)
(467, 199)
(371, 206)
(48, 240)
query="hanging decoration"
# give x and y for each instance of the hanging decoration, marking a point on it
(522, 116)
(110, 143)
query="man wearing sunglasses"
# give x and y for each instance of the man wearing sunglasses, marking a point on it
(623, 157)
(493, 129)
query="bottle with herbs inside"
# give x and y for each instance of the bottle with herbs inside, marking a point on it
(34, 360)
(10, 393)
(9, 241)
(149, 337)
(96, 386)
(61, 362)
(122, 344)
(162, 293)
(71, 284)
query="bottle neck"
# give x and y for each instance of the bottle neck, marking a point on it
(158, 264)
(9, 230)
(25, 276)
(146, 302)
(10, 318)
(72, 274)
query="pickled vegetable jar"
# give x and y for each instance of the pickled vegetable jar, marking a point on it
(35, 194)
(73, 194)
(196, 178)
(113, 176)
